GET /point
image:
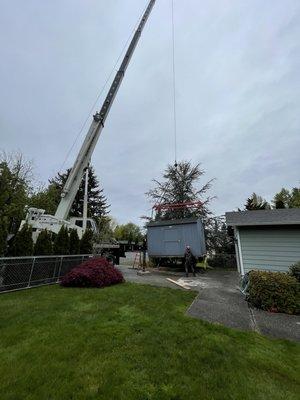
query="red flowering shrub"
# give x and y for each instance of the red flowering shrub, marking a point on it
(95, 272)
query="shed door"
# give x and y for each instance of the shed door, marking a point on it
(172, 241)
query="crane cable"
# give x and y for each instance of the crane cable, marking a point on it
(174, 105)
(174, 85)
(102, 90)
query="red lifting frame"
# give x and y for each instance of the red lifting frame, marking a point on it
(178, 206)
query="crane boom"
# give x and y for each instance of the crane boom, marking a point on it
(84, 156)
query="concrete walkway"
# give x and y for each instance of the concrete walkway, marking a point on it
(220, 301)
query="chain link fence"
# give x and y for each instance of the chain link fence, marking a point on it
(24, 272)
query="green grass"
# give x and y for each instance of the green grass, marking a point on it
(133, 342)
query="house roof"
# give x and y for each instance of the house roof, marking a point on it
(290, 216)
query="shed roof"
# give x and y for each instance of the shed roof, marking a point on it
(290, 216)
(173, 222)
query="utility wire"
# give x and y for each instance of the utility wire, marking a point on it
(102, 90)
(174, 84)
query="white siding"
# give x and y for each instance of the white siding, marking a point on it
(269, 248)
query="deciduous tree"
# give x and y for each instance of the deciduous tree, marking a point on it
(129, 232)
(15, 181)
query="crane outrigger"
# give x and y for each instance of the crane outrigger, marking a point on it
(37, 218)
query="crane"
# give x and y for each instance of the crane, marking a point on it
(37, 218)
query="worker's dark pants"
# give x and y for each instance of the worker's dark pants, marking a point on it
(188, 265)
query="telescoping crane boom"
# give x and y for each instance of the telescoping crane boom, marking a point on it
(36, 217)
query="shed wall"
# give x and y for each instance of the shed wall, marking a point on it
(269, 248)
(171, 240)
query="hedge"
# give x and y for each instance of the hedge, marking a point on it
(222, 260)
(295, 271)
(274, 291)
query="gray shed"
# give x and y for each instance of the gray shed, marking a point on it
(170, 238)
(266, 239)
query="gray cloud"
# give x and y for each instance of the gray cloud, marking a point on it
(238, 92)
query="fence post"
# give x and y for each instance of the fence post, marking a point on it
(54, 270)
(59, 270)
(30, 276)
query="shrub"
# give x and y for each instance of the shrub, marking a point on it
(295, 271)
(22, 244)
(43, 245)
(95, 272)
(61, 242)
(86, 242)
(274, 291)
(74, 242)
(222, 260)
(3, 237)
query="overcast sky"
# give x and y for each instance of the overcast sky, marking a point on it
(238, 92)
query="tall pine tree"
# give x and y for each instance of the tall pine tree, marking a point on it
(97, 202)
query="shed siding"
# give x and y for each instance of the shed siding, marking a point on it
(171, 240)
(273, 249)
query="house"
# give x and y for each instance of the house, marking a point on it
(266, 239)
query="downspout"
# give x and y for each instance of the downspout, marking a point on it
(239, 252)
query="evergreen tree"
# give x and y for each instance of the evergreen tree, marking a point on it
(287, 198)
(97, 202)
(279, 204)
(218, 241)
(74, 242)
(86, 242)
(282, 199)
(295, 198)
(180, 185)
(62, 242)
(22, 244)
(256, 202)
(43, 245)
(3, 237)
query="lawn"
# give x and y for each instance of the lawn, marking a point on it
(133, 342)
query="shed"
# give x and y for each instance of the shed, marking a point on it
(167, 239)
(266, 239)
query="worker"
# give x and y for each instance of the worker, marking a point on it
(189, 261)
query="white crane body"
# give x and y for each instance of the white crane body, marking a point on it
(37, 217)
